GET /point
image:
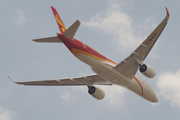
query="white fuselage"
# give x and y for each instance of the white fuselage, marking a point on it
(105, 70)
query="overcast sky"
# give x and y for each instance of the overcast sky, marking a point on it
(113, 27)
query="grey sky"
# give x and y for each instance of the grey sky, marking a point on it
(113, 27)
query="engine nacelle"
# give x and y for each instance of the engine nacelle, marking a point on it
(147, 71)
(96, 92)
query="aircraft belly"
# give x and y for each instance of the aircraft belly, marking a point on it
(105, 71)
(87, 59)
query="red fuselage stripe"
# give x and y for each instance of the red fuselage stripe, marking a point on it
(139, 85)
(81, 48)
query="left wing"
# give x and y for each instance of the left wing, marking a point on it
(87, 80)
(129, 66)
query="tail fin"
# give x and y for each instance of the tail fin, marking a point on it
(60, 23)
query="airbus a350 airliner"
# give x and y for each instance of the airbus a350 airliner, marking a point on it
(107, 71)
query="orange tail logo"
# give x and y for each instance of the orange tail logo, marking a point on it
(60, 23)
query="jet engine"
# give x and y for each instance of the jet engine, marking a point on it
(96, 92)
(147, 71)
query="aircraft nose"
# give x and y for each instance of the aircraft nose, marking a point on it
(150, 94)
(153, 95)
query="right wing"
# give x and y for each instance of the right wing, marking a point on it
(87, 80)
(129, 66)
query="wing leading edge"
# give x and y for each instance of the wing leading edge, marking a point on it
(92, 80)
(129, 66)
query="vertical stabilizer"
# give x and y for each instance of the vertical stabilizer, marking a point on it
(60, 23)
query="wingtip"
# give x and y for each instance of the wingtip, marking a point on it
(10, 78)
(167, 11)
(14, 81)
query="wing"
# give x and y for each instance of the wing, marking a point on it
(129, 66)
(92, 80)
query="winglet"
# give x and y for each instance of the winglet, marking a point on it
(167, 11)
(10, 78)
(14, 82)
(60, 23)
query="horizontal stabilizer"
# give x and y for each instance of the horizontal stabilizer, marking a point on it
(70, 32)
(54, 39)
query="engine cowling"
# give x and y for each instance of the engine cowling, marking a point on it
(96, 92)
(147, 71)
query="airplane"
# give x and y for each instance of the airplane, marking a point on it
(107, 71)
